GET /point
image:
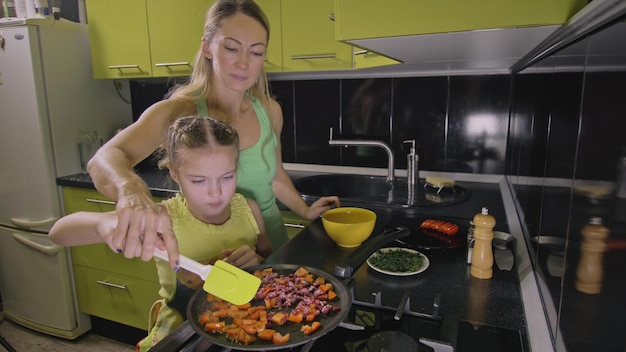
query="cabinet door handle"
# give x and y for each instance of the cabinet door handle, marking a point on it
(168, 64)
(99, 201)
(48, 250)
(108, 284)
(360, 52)
(29, 224)
(295, 226)
(121, 67)
(307, 57)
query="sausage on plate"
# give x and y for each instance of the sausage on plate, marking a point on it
(442, 226)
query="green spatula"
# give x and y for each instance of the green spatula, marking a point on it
(223, 280)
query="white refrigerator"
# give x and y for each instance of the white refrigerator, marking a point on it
(47, 94)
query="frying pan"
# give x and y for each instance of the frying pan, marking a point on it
(198, 304)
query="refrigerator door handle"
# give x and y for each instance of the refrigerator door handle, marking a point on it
(48, 250)
(29, 224)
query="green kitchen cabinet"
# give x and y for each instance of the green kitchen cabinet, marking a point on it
(309, 37)
(274, 55)
(293, 223)
(118, 37)
(109, 285)
(366, 59)
(175, 30)
(364, 19)
(141, 38)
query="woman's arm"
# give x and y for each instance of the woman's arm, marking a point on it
(282, 185)
(141, 225)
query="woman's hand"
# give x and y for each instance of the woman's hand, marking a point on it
(321, 205)
(143, 225)
(241, 257)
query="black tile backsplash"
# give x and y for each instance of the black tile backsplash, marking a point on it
(603, 126)
(420, 112)
(556, 128)
(365, 114)
(567, 125)
(478, 122)
(283, 93)
(316, 110)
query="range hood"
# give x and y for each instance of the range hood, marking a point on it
(603, 50)
(492, 51)
(477, 51)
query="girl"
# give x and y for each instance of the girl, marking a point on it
(211, 221)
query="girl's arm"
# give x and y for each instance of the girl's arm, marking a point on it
(263, 244)
(82, 228)
(245, 256)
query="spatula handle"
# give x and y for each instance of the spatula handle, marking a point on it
(187, 264)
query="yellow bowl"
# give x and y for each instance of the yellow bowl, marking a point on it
(349, 226)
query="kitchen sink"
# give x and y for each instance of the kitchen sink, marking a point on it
(376, 192)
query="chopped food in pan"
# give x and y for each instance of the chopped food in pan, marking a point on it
(299, 298)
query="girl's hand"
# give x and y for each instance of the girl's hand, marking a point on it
(189, 279)
(192, 280)
(321, 205)
(241, 257)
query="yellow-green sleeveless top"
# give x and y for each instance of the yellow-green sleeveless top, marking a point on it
(201, 241)
(256, 171)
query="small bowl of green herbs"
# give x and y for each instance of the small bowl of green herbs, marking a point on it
(398, 261)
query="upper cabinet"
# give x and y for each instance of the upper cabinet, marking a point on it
(118, 36)
(274, 55)
(155, 38)
(309, 37)
(175, 35)
(361, 19)
(140, 38)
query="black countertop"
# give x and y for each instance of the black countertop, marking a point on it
(495, 301)
(158, 182)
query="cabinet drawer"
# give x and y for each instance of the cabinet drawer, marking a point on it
(83, 199)
(102, 257)
(293, 223)
(115, 297)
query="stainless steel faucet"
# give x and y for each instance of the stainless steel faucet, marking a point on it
(367, 143)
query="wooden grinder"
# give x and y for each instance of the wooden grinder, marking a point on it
(482, 254)
(589, 271)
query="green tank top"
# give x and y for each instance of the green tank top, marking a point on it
(256, 170)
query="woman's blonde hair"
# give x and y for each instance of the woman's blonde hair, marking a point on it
(200, 82)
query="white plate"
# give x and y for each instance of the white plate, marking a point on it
(425, 262)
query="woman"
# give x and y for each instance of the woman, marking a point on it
(228, 82)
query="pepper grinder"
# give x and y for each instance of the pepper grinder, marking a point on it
(482, 254)
(589, 271)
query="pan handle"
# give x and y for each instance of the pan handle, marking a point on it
(347, 267)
